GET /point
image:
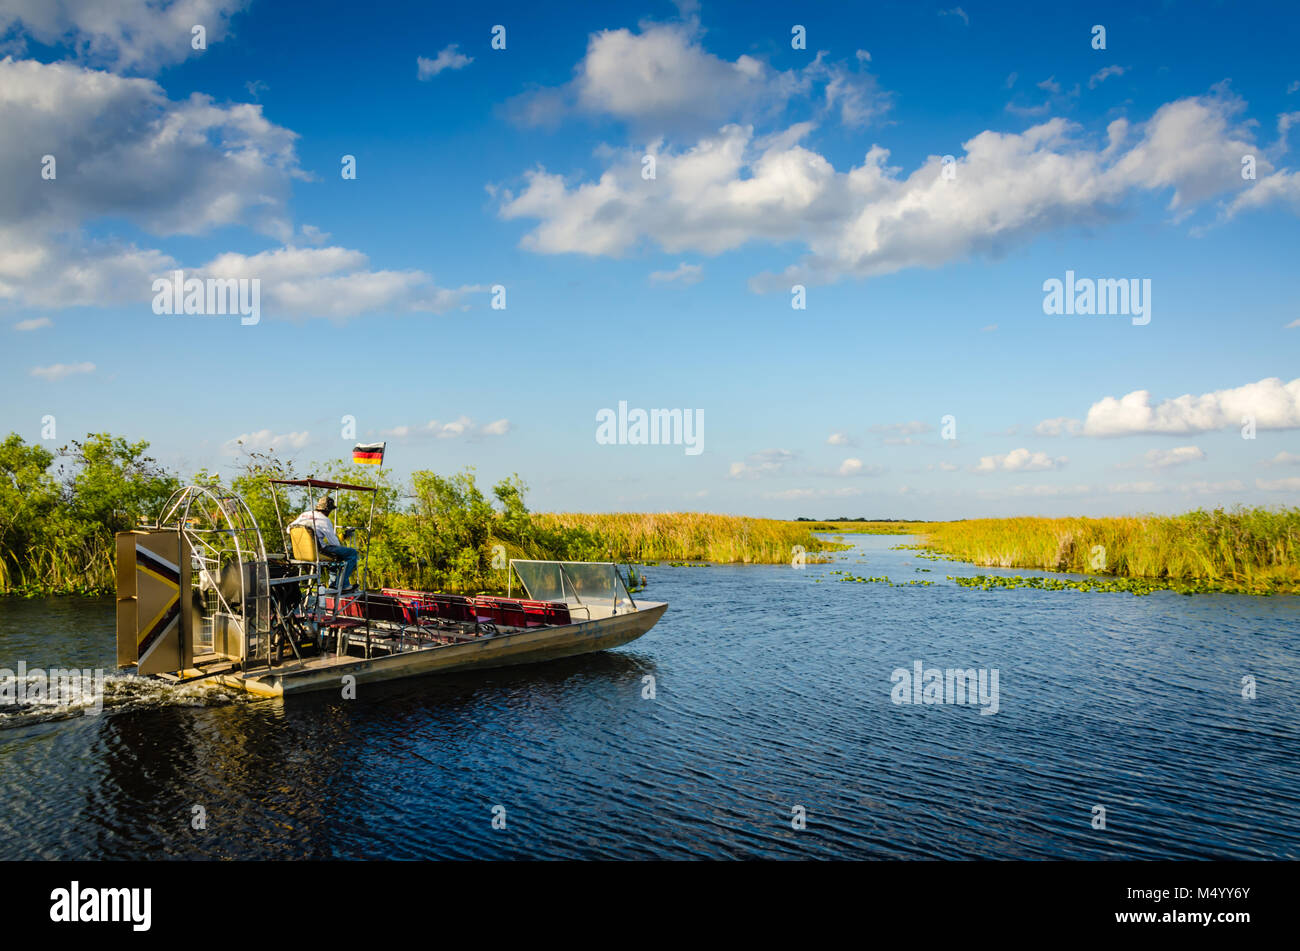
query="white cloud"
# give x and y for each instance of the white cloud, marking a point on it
(129, 35)
(1101, 75)
(1020, 460)
(1289, 484)
(447, 58)
(1270, 402)
(839, 439)
(732, 188)
(334, 282)
(1284, 458)
(653, 80)
(1279, 188)
(956, 12)
(844, 492)
(59, 371)
(768, 462)
(313, 235)
(453, 429)
(35, 323)
(265, 439)
(1181, 456)
(124, 149)
(684, 273)
(856, 467)
(1058, 426)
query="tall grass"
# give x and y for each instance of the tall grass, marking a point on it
(690, 536)
(1245, 549)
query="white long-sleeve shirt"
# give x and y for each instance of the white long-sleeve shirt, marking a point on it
(320, 524)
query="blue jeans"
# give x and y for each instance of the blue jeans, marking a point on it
(343, 554)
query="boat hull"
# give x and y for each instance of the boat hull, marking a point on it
(503, 650)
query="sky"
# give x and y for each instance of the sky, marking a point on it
(824, 233)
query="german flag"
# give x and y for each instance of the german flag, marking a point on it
(368, 453)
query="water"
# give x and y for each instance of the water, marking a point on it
(773, 691)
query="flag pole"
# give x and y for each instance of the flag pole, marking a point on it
(370, 521)
(365, 568)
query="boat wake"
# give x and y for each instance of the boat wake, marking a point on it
(121, 693)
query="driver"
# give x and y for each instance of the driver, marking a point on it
(318, 520)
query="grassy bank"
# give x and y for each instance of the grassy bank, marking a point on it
(59, 510)
(1255, 550)
(690, 536)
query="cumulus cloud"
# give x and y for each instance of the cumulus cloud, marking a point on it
(1271, 403)
(447, 58)
(1279, 188)
(1283, 458)
(123, 149)
(839, 439)
(335, 282)
(732, 188)
(1019, 460)
(59, 371)
(128, 36)
(35, 323)
(652, 80)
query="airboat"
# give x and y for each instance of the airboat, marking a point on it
(199, 598)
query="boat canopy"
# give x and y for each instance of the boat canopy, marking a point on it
(323, 484)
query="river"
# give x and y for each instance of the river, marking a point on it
(768, 729)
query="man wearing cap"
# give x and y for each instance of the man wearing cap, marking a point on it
(318, 520)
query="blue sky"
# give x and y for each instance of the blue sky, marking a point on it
(775, 166)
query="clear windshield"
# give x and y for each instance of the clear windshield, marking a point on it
(574, 582)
